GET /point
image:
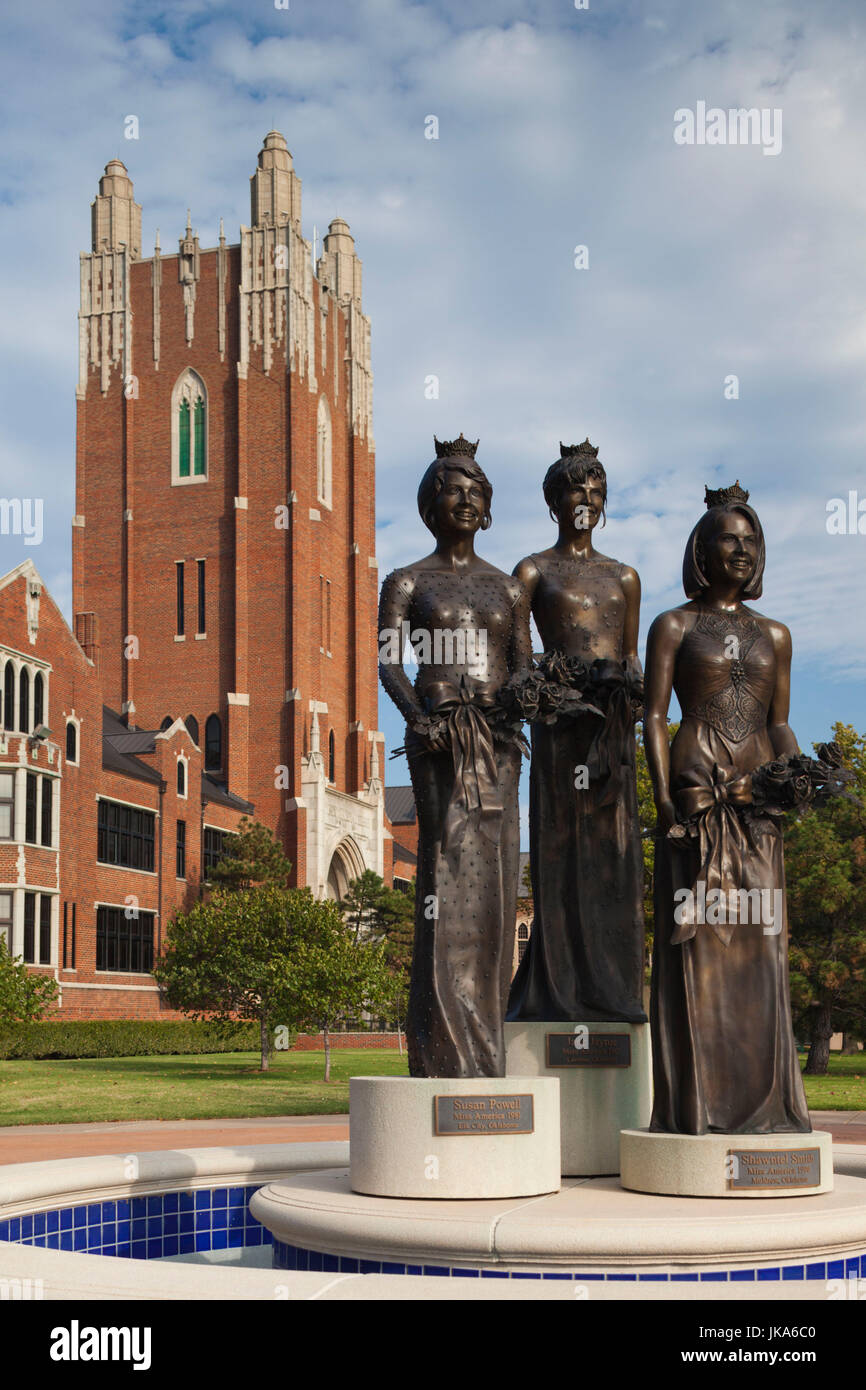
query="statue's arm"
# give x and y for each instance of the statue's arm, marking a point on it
(394, 607)
(663, 643)
(630, 581)
(780, 732)
(521, 648)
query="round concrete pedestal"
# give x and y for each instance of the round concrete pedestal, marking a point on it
(727, 1165)
(452, 1137)
(605, 1081)
(590, 1230)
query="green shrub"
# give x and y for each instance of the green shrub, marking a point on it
(123, 1038)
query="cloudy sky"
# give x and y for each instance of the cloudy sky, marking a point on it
(556, 130)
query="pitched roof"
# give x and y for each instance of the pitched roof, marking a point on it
(400, 805)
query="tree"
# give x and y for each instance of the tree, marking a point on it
(250, 858)
(825, 868)
(340, 975)
(646, 811)
(373, 910)
(23, 997)
(236, 957)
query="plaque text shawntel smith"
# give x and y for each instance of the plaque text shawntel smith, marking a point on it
(483, 1115)
(774, 1168)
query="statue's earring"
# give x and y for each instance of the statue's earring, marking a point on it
(486, 521)
(553, 515)
(603, 518)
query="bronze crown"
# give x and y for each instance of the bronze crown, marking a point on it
(447, 448)
(586, 449)
(719, 497)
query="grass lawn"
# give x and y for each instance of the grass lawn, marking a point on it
(212, 1086)
(844, 1086)
(227, 1085)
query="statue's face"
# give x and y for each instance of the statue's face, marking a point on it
(732, 552)
(459, 505)
(581, 505)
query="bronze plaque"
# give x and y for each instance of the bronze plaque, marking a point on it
(773, 1168)
(600, 1050)
(483, 1115)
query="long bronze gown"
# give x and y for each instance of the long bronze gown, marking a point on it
(468, 828)
(585, 958)
(724, 1059)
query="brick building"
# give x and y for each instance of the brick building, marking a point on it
(224, 592)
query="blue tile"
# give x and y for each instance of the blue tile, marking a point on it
(79, 1217)
(267, 1237)
(124, 1210)
(303, 1259)
(588, 1278)
(236, 1239)
(79, 1239)
(767, 1275)
(154, 1248)
(187, 1245)
(254, 1237)
(26, 1227)
(465, 1273)
(237, 1197)
(170, 1203)
(315, 1263)
(94, 1214)
(52, 1240)
(124, 1249)
(40, 1240)
(549, 1276)
(202, 1221)
(187, 1201)
(202, 1241)
(154, 1227)
(139, 1207)
(187, 1222)
(743, 1275)
(835, 1269)
(330, 1262)
(794, 1272)
(348, 1265)
(109, 1250)
(367, 1266)
(439, 1270)
(863, 1265)
(220, 1218)
(139, 1228)
(236, 1217)
(39, 1223)
(250, 1190)
(528, 1276)
(170, 1225)
(66, 1240)
(139, 1249)
(4, 1230)
(289, 1256)
(220, 1197)
(52, 1221)
(66, 1219)
(109, 1212)
(652, 1278)
(852, 1266)
(713, 1277)
(684, 1278)
(109, 1233)
(202, 1201)
(154, 1206)
(622, 1278)
(220, 1240)
(410, 1269)
(171, 1245)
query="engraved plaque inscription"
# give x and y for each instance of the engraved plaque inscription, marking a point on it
(766, 1168)
(483, 1115)
(588, 1049)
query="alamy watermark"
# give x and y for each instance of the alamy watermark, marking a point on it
(22, 516)
(760, 907)
(736, 126)
(441, 646)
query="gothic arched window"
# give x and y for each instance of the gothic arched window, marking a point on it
(192, 727)
(71, 742)
(24, 701)
(181, 777)
(213, 744)
(38, 699)
(332, 758)
(324, 451)
(166, 724)
(9, 696)
(189, 429)
(522, 940)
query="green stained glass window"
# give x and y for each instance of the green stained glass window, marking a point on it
(198, 457)
(183, 459)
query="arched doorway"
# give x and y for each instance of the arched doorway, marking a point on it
(347, 863)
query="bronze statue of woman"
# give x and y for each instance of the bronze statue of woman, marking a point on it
(724, 1058)
(469, 627)
(585, 958)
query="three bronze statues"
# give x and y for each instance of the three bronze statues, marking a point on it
(724, 1058)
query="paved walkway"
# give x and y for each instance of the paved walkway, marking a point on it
(33, 1143)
